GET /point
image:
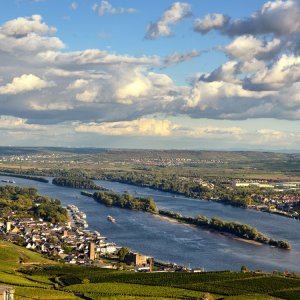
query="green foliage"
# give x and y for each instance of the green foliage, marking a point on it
(122, 253)
(111, 289)
(126, 201)
(76, 182)
(288, 294)
(45, 294)
(25, 202)
(29, 177)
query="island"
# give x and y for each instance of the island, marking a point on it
(237, 229)
(77, 183)
(126, 201)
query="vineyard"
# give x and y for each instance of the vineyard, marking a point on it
(40, 278)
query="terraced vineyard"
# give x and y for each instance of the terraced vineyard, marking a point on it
(39, 278)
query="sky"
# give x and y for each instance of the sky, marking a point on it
(218, 74)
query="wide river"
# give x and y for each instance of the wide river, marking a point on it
(182, 244)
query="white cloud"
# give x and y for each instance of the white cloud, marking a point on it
(210, 22)
(247, 47)
(176, 58)
(24, 83)
(171, 16)
(24, 26)
(285, 70)
(136, 87)
(11, 123)
(140, 127)
(157, 128)
(87, 95)
(77, 84)
(74, 6)
(104, 7)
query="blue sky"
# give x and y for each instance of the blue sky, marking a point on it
(195, 74)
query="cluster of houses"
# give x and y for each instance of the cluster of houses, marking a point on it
(283, 203)
(68, 242)
(74, 245)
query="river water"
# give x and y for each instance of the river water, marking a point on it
(182, 244)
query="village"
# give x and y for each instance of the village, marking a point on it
(70, 243)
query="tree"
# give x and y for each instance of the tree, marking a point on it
(244, 269)
(122, 253)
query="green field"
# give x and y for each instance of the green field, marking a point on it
(40, 278)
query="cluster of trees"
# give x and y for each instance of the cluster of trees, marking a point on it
(126, 201)
(76, 182)
(30, 177)
(25, 202)
(240, 230)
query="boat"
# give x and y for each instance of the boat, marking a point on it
(111, 219)
(8, 181)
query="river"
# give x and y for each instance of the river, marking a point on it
(182, 244)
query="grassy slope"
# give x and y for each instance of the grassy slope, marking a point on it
(27, 287)
(41, 281)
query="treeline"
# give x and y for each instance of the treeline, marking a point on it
(240, 230)
(77, 183)
(126, 201)
(30, 177)
(25, 202)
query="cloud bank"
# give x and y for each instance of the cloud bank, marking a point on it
(95, 91)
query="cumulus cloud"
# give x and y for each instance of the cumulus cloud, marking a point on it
(140, 127)
(87, 95)
(210, 22)
(77, 84)
(247, 47)
(284, 71)
(24, 83)
(176, 58)
(12, 123)
(171, 16)
(21, 27)
(104, 7)
(263, 21)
